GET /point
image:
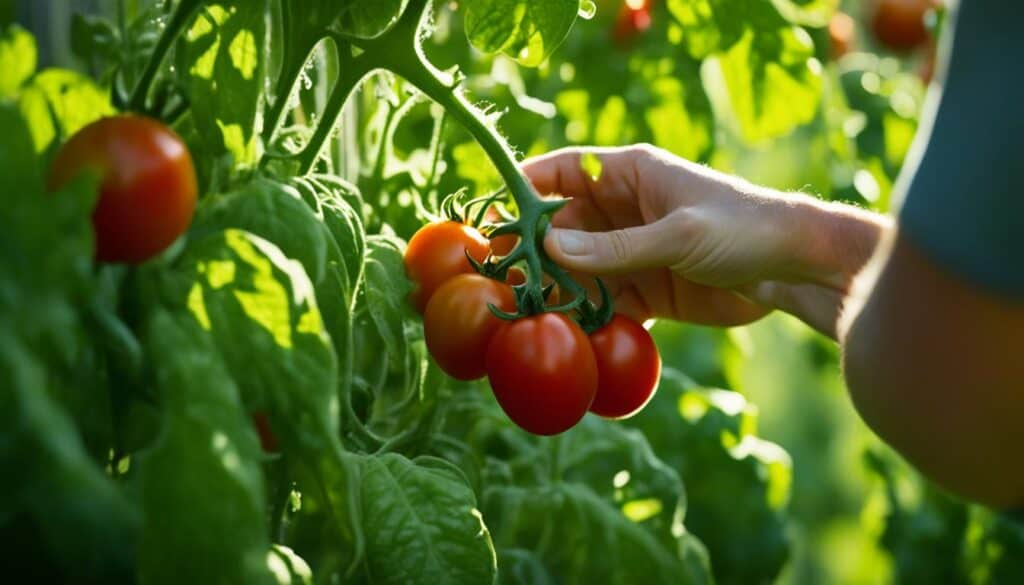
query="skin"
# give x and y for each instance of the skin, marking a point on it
(931, 362)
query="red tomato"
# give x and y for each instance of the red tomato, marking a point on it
(628, 368)
(515, 276)
(842, 32)
(458, 325)
(267, 439)
(147, 185)
(543, 372)
(438, 252)
(899, 24)
(503, 245)
(633, 19)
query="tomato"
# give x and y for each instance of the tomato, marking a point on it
(628, 368)
(267, 439)
(543, 372)
(458, 325)
(842, 32)
(438, 252)
(633, 19)
(147, 185)
(503, 245)
(515, 276)
(899, 24)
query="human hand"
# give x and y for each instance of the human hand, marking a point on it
(675, 239)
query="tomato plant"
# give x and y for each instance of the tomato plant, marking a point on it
(628, 368)
(147, 184)
(324, 135)
(543, 372)
(458, 324)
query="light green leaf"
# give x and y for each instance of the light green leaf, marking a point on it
(58, 103)
(773, 82)
(528, 30)
(369, 18)
(223, 63)
(18, 57)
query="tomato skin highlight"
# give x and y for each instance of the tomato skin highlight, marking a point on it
(436, 253)
(148, 186)
(458, 325)
(543, 372)
(628, 368)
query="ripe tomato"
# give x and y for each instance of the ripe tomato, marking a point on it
(147, 184)
(458, 325)
(267, 439)
(842, 32)
(899, 24)
(543, 372)
(515, 276)
(633, 19)
(438, 252)
(628, 368)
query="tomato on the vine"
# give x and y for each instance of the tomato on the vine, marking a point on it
(458, 325)
(628, 368)
(842, 32)
(543, 372)
(147, 184)
(437, 252)
(900, 24)
(633, 19)
(267, 438)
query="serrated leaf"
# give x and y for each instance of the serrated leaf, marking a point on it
(527, 30)
(58, 103)
(422, 524)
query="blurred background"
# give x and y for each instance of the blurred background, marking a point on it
(818, 96)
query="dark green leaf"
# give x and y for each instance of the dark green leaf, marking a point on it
(528, 30)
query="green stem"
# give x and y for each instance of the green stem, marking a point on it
(352, 72)
(179, 20)
(291, 73)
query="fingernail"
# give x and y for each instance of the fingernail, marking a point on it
(572, 242)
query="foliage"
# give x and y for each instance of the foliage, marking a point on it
(323, 136)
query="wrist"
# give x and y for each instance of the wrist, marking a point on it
(831, 243)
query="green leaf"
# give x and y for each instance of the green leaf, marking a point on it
(288, 568)
(200, 484)
(18, 57)
(528, 30)
(260, 309)
(422, 524)
(222, 63)
(737, 485)
(58, 103)
(369, 18)
(815, 13)
(680, 119)
(582, 538)
(773, 82)
(387, 292)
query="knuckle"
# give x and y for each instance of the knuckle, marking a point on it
(621, 245)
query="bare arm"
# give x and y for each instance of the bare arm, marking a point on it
(935, 367)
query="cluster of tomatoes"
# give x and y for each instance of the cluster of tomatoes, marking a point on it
(545, 371)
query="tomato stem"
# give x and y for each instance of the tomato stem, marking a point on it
(186, 10)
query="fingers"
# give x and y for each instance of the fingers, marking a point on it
(562, 172)
(617, 251)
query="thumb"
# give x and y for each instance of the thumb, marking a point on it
(614, 252)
